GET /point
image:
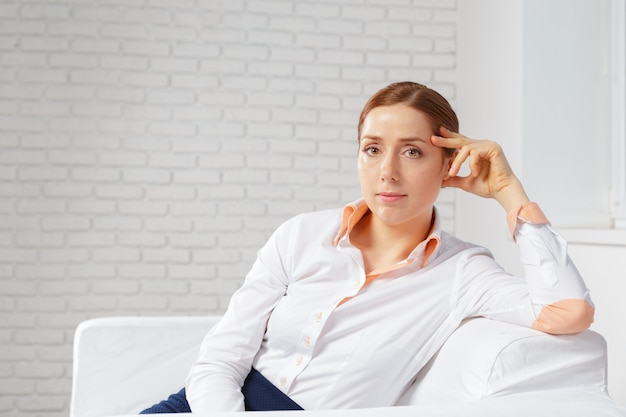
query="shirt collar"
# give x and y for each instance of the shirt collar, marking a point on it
(354, 212)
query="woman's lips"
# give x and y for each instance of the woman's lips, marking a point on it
(390, 197)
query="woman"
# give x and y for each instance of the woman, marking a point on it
(343, 307)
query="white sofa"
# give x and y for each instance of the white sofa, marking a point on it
(486, 368)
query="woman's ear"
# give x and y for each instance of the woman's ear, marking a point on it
(448, 164)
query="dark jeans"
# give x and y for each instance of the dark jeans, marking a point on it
(259, 395)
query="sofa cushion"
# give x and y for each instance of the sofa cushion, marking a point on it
(486, 358)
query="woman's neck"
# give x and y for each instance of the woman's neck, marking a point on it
(383, 243)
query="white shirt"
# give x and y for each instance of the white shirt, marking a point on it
(289, 322)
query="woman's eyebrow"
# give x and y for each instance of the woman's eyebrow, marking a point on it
(408, 139)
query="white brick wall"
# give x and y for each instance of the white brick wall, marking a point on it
(148, 148)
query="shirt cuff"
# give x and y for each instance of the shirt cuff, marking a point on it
(526, 213)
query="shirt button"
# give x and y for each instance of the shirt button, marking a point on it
(283, 381)
(356, 285)
(299, 361)
(318, 316)
(307, 341)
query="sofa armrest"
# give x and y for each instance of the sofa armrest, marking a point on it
(486, 358)
(125, 364)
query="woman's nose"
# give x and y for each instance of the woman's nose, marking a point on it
(389, 169)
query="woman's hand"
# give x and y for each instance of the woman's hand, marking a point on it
(490, 176)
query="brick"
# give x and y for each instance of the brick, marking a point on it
(143, 15)
(24, 59)
(169, 287)
(245, 177)
(63, 289)
(170, 193)
(142, 208)
(40, 272)
(195, 81)
(293, 146)
(246, 83)
(125, 31)
(67, 190)
(115, 287)
(144, 240)
(123, 95)
(270, 37)
(146, 112)
(97, 109)
(339, 26)
(196, 304)
(275, 69)
(316, 194)
(172, 129)
(37, 369)
(216, 224)
(23, 157)
(194, 271)
(119, 192)
(147, 175)
(16, 387)
(18, 256)
(64, 223)
(196, 177)
(364, 13)
(269, 161)
(225, 192)
(214, 257)
(54, 386)
(17, 288)
(222, 66)
(415, 15)
(168, 225)
(22, 27)
(295, 115)
(66, 60)
(70, 93)
(39, 240)
(170, 97)
(172, 33)
(317, 9)
(197, 19)
(41, 304)
(192, 210)
(93, 46)
(434, 61)
(91, 239)
(92, 303)
(143, 303)
(227, 209)
(115, 255)
(21, 92)
(144, 271)
(63, 256)
(143, 79)
(292, 23)
(439, 30)
(273, 130)
(174, 65)
(194, 240)
(124, 62)
(41, 403)
(318, 71)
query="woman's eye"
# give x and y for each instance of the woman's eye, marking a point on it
(371, 151)
(413, 153)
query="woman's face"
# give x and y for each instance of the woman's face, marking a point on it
(400, 170)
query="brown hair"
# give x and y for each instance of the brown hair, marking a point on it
(418, 96)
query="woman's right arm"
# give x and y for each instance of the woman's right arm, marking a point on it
(227, 352)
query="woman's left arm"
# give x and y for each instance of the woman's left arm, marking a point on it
(554, 283)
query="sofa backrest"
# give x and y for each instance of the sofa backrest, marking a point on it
(123, 365)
